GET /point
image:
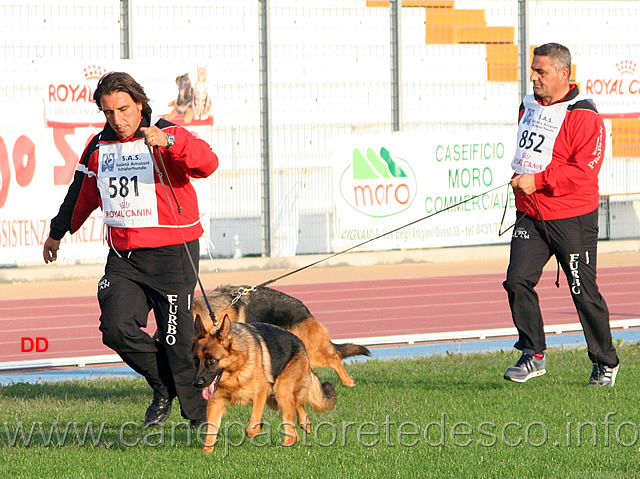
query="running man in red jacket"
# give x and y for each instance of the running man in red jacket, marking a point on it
(152, 226)
(561, 140)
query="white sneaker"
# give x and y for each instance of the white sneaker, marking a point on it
(602, 375)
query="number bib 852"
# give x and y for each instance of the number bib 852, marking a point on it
(537, 133)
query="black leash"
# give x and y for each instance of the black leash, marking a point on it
(243, 291)
(175, 217)
(246, 290)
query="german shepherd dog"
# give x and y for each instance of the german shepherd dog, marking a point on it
(267, 305)
(260, 364)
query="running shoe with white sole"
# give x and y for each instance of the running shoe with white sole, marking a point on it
(526, 368)
(603, 375)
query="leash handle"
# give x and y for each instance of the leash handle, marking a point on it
(515, 223)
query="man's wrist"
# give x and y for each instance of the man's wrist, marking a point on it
(170, 141)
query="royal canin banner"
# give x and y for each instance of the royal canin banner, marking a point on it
(613, 83)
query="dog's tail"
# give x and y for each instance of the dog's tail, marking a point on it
(321, 396)
(347, 350)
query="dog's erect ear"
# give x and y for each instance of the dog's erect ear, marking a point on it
(198, 328)
(224, 333)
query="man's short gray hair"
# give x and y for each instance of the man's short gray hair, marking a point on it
(559, 54)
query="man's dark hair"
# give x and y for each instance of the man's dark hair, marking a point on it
(559, 54)
(114, 82)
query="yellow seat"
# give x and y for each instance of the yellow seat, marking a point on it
(414, 3)
(625, 137)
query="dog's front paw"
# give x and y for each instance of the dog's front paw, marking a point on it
(253, 431)
(206, 449)
(348, 382)
(290, 440)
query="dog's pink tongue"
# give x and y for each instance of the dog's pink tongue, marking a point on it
(208, 392)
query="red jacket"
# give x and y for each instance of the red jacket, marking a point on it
(188, 157)
(568, 187)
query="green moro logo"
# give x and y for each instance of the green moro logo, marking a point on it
(378, 185)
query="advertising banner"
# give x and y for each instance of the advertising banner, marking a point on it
(612, 82)
(457, 180)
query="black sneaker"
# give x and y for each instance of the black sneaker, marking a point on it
(158, 411)
(526, 368)
(602, 375)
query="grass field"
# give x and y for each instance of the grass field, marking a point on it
(438, 416)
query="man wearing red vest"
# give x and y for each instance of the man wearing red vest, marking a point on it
(138, 170)
(561, 140)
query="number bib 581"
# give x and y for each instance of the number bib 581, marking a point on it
(127, 185)
(537, 133)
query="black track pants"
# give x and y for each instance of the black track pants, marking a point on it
(574, 243)
(161, 279)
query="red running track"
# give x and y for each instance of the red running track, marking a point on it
(353, 309)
